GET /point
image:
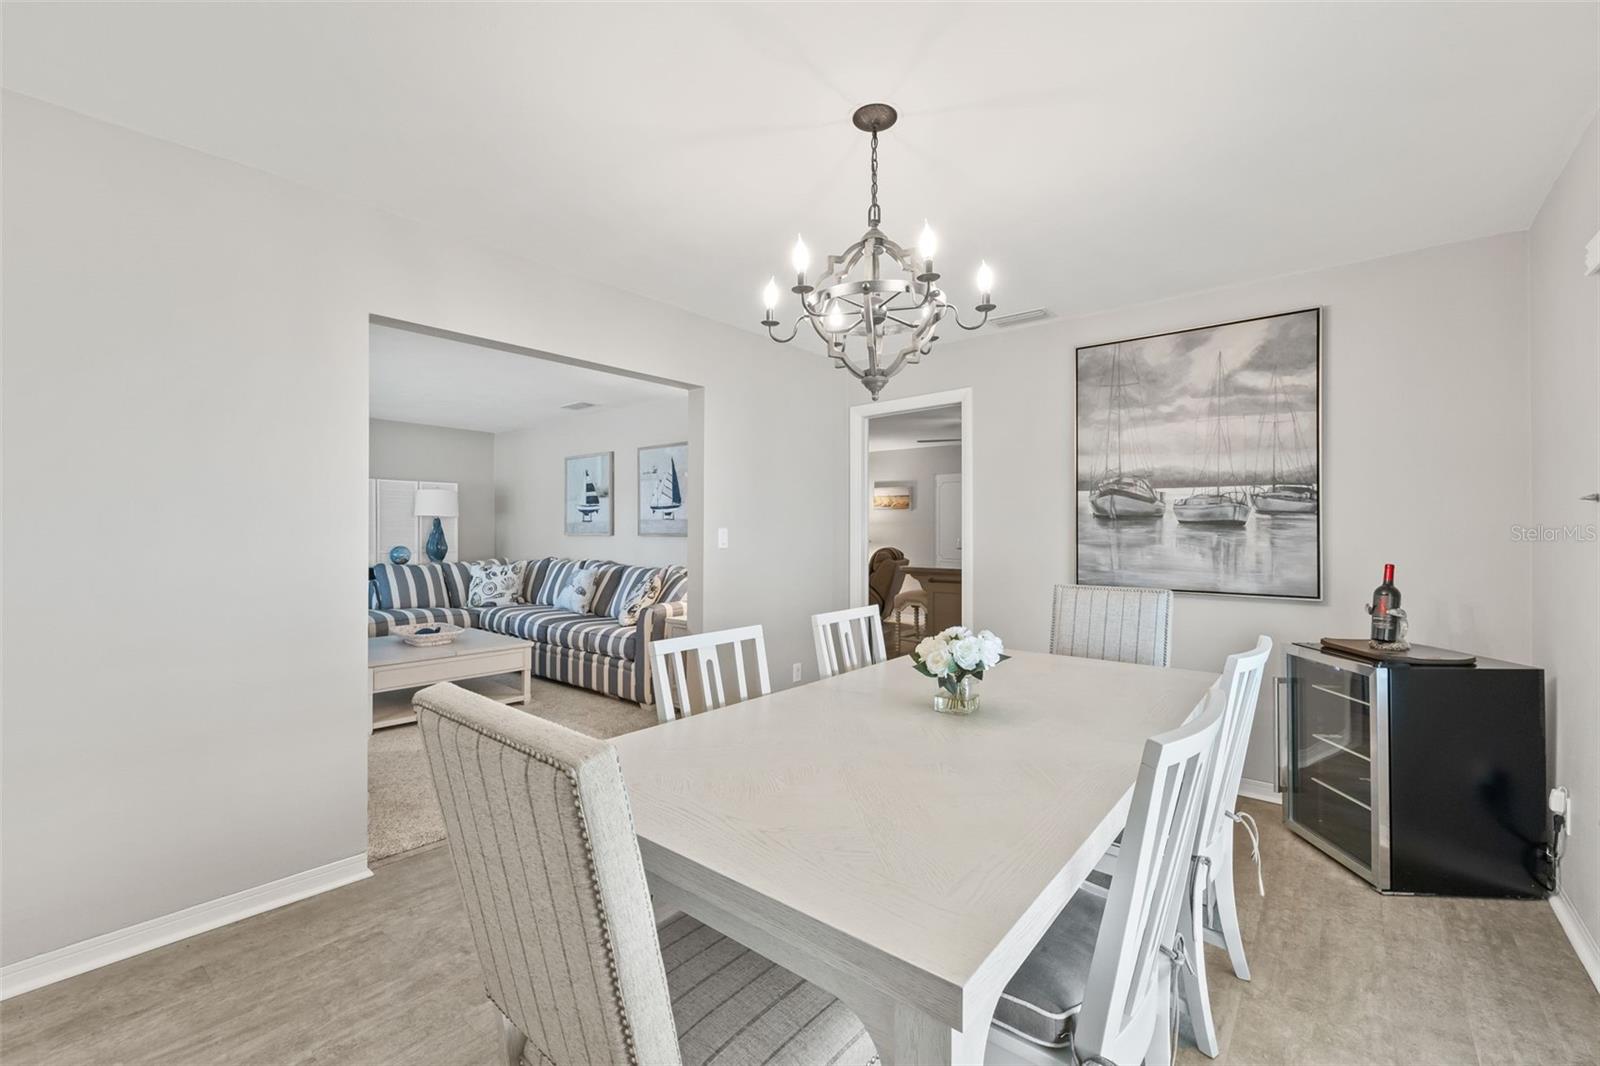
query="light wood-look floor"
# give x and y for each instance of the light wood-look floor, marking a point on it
(383, 972)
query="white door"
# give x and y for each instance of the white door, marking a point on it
(947, 519)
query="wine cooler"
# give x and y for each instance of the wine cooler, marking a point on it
(1425, 779)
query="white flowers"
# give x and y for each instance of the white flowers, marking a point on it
(957, 653)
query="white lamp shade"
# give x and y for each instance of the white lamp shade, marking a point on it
(436, 503)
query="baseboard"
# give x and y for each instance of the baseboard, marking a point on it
(1582, 939)
(28, 974)
(1264, 791)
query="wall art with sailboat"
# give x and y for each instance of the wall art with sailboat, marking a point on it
(662, 511)
(1199, 463)
(588, 505)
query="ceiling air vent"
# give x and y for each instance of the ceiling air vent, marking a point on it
(1020, 317)
(577, 405)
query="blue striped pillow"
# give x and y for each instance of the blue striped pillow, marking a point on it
(674, 585)
(556, 575)
(627, 590)
(372, 595)
(404, 587)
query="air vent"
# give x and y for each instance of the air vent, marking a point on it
(1020, 317)
(577, 405)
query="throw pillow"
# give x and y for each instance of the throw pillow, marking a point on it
(496, 585)
(579, 589)
(636, 595)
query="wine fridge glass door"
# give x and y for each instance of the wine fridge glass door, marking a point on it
(1331, 743)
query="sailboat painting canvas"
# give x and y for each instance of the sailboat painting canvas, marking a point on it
(1199, 463)
(662, 491)
(588, 506)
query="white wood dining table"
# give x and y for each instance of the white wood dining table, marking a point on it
(904, 860)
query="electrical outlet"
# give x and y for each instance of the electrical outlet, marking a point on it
(796, 672)
(722, 537)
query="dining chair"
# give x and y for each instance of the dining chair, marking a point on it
(704, 649)
(1102, 980)
(1126, 625)
(542, 839)
(847, 639)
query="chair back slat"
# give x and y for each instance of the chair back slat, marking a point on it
(1152, 874)
(1128, 625)
(1238, 688)
(848, 639)
(706, 651)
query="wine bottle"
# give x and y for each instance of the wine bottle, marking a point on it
(1385, 598)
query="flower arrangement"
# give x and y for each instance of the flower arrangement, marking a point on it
(957, 659)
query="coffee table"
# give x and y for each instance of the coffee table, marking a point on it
(393, 664)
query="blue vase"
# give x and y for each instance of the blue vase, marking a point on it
(436, 542)
(399, 555)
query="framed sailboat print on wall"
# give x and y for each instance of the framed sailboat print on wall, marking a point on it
(588, 510)
(662, 490)
(1199, 459)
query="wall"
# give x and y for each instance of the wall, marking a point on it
(210, 322)
(910, 531)
(1564, 334)
(530, 482)
(1425, 458)
(410, 452)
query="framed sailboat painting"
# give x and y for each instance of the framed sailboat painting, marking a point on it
(588, 505)
(662, 490)
(1199, 459)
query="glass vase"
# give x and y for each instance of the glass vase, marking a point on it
(964, 700)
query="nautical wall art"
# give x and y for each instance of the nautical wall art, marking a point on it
(662, 492)
(588, 504)
(1199, 465)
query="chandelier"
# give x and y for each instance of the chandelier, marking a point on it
(895, 316)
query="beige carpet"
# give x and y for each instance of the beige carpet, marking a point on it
(402, 812)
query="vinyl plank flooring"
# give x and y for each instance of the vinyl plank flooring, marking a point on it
(384, 971)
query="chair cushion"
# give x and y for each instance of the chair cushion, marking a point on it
(563, 629)
(1042, 1000)
(381, 622)
(410, 586)
(732, 1006)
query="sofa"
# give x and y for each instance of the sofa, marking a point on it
(595, 649)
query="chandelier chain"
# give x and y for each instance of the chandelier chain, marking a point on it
(873, 213)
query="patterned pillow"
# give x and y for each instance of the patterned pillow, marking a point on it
(496, 585)
(458, 579)
(404, 587)
(638, 589)
(579, 590)
(557, 573)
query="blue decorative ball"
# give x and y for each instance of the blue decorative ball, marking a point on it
(399, 555)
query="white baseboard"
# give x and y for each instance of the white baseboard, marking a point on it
(1264, 791)
(28, 974)
(1582, 939)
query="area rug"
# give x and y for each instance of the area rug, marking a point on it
(402, 811)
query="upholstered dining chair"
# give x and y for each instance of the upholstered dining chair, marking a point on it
(539, 829)
(886, 574)
(848, 639)
(1126, 625)
(1100, 981)
(705, 651)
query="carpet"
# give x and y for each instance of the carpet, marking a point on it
(402, 811)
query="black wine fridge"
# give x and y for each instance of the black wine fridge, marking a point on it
(1420, 779)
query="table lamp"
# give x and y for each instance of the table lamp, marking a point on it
(436, 504)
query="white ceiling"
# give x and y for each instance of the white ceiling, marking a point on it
(914, 429)
(1096, 155)
(417, 377)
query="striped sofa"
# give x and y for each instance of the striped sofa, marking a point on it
(598, 651)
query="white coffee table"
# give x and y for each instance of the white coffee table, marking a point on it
(393, 664)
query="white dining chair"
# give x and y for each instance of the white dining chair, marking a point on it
(1126, 625)
(848, 639)
(1101, 980)
(705, 651)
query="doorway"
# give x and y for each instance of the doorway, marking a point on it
(911, 516)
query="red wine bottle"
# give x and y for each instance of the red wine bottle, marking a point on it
(1385, 598)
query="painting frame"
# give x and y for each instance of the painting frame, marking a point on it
(897, 496)
(656, 489)
(1310, 587)
(578, 472)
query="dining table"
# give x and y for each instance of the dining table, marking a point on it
(904, 860)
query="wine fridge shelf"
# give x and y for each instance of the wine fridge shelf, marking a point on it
(1340, 793)
(1341, 695)
(1333, 741)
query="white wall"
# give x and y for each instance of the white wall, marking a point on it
(185, 339)
(1564, 331)
(1425, 455)
(530, 482)
(411, 452)
(910, 531)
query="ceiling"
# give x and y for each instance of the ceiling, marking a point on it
(1097, 155)
(417, 377)
(928, 428)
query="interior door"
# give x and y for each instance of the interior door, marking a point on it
(947, 520)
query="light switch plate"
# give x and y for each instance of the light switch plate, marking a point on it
(722, 537)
